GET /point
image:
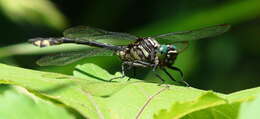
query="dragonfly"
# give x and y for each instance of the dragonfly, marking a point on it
(155, 52)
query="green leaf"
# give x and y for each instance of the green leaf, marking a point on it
(18, 106)
(83, 96)
(180, 109)
(101, 85)
(250, 110)
(33, 11)
(225, 111)
(90, 93)
(209, 106)
(244, 95)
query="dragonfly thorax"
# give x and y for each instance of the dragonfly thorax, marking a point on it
(143, 50)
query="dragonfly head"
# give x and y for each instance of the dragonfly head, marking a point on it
(169, 53)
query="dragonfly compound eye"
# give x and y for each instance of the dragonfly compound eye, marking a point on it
(163, 49)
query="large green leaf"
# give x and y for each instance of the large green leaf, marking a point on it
(19, 106)
(250, 110)
(90, 93)
(229, 109)
(181, 109)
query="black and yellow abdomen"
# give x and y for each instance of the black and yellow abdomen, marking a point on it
(44, 42)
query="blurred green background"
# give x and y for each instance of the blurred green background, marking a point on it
(226, 63)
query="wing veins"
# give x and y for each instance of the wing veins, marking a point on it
(64, 58)
(93, 34)
(192, 34)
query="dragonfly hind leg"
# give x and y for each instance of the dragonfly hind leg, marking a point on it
(130, 65)
(122, 71)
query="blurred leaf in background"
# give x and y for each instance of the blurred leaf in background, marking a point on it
(34, 12)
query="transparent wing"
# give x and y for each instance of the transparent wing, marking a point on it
(65, 58)
(196, 34)
(95, 34)
(181, 46)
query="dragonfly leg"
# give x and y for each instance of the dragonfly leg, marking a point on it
(135, 64)
(154, 70)
(122, 70)
(168, 74)
(158, 76)
(181, 73)
(146, 64)
(130, 64)
(143, 64)
(155, 67)
(134, 71)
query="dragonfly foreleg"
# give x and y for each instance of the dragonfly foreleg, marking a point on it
(181, 73)
(168, 74)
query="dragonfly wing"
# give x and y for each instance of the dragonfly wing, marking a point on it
(181, 46)
(192, 34)
(83, 31)
(99, 35)
(65, 58)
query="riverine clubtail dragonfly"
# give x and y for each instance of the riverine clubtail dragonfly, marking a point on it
(156, 52)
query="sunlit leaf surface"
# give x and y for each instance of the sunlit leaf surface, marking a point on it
(19, 106)
(90, 93)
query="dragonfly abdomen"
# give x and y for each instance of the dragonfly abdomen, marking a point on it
(44, 42)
